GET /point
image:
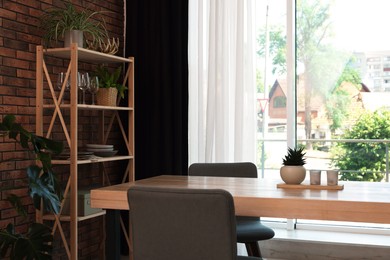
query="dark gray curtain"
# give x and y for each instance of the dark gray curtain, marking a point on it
(157, 36)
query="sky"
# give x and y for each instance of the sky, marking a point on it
(358, 25)
(362, 25)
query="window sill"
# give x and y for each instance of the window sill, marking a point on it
(333, 237)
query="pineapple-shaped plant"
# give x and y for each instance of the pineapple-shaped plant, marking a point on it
(295, 156)
(293, 171)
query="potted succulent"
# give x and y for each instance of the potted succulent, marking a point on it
(72, 25)
(293, 171)
(43, 188)
(109, 87)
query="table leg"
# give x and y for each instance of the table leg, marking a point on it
(113, 234)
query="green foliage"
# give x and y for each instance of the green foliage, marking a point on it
(16, 202)
(295, 156)
(36, 244)
(349, 74)
(259, 82)
(42, 148)
(43, 186)
(109, 79)
(313, 27)
(322, 62)
(57, 21)
(367, 160)
(277, 48)
(337, 108)
(260, 146)
(338, 101)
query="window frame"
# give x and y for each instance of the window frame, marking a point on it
(292, 140)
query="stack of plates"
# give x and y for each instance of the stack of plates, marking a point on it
(80, 155)
(103, 150)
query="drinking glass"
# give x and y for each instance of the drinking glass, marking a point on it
(60, 82)
(94, 87)
(332, 177)
(315, 177)
(83, 83)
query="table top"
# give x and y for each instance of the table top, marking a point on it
(358, 201)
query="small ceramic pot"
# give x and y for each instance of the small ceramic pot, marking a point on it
(292, 174)
(74, 36)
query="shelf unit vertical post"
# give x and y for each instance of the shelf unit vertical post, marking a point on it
(131, 115)
(39, 106)
(73, 153)
(131, 131)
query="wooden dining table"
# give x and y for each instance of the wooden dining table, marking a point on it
(356, 202)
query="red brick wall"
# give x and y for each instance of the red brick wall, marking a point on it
(19, 36)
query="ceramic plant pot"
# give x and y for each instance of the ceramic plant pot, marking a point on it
(292, 174)
(74, 36)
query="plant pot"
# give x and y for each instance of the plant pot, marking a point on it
(292, 174)
(74, 36)
(107, 97)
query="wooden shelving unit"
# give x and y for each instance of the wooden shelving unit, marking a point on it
(55, 107)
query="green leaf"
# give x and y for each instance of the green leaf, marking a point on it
(24, 139)
(50, 145)
(17, 203)
(43, 187)
(7, 240)
(295, 156)
(37, 244)
(110, 80)
(8, 121)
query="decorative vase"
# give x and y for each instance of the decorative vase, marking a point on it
(107, 97)
(74, 36)
(292, 174)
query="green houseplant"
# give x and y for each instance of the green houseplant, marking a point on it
(64, 23)
(43, 188)
(293, 170)
(109, 85)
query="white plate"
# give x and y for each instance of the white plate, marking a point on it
(100, 150)
(99, 146)
(106, 154)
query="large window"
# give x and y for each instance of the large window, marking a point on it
(341, 113)
(340, 85)
(324, 60)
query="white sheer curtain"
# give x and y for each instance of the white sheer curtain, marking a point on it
(222, 85)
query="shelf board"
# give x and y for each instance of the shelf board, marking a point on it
(95, 160)
(80, 218)
(89, 107)
(86, 55)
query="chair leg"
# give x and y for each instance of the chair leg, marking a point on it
(253, 249)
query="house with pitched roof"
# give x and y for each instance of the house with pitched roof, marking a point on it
(277, 112)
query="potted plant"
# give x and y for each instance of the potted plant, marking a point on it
(43, 188)
(72, 25)
(109, 87)
(293, 171)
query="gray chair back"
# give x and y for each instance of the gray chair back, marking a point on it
(185, 224)
(233, 169)
(230, 169)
